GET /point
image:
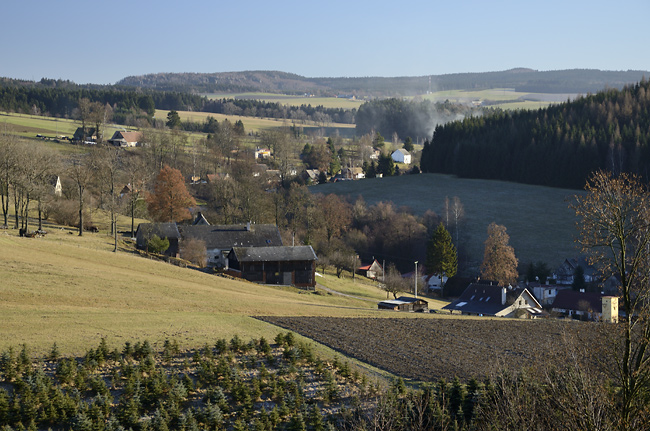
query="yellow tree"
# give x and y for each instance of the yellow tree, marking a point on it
(499, 261)
(614, 229)
(170, 200)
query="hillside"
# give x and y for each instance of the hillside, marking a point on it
(74, 290)
(521, 79)
(558, 146)
(540, 224)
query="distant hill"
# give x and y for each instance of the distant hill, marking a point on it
(581, 81)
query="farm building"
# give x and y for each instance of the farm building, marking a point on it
(405, 303)
(220, 239)
(584, 304)
(492, 300)
(373, 270)
(401, 156)
(125, 139)
(162, 230)
(283, 265)
(81, 135)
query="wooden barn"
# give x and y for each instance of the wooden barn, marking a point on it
(405, 303)
(290, 266)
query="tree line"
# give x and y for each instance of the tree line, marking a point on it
(60, 99)
(557, 146)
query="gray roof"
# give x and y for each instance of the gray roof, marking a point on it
(225, 237)
(481, 299)
(274, 254)
(162, 230)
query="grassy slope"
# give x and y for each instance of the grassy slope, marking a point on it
(74, 290)
(251, 124)
(540, 224)
(28, 126)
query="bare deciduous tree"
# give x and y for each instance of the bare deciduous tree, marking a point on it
(614, 229)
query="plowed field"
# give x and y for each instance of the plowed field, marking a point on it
(427, 349)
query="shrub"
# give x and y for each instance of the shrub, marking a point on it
(155, 244)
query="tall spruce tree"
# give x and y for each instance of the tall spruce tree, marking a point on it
(442, 258)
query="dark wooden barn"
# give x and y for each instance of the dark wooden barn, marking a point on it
(291, 266)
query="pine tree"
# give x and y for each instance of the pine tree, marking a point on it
(442, 258)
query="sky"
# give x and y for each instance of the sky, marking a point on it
(101, 42)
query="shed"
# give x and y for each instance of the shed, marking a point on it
(284, 265)
(405, 303)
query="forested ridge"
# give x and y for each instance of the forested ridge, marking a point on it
(557, 146)
(521, 79)
(60, 99)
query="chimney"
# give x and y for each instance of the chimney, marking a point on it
(503, 296)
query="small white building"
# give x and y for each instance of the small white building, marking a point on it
(126, 139)
(401, 156)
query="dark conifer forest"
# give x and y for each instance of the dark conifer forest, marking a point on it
(557, 146)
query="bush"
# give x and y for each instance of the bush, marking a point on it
(157, 244)
(66, 212)
(195, 251)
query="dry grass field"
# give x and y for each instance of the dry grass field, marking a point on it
(74, 290)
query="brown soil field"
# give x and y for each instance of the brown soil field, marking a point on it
(428, 349)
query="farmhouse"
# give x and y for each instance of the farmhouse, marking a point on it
(565, 272)
(401, 156)
(162, 230)
(355, 173)
(492, 300)
(220, 239)
(405, 303)
(126, 139)
(88, 135)
(374, 270)
(274, 265)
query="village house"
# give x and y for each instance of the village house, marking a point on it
(401, 156)
(125, 139)
(283, 265)
(88, 135)
(564, 274)
(405, 303)
(545, 293)
(373, 270)
(492, 300)
(354, 173)
(588, 305)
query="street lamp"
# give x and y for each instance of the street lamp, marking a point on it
(415, 277)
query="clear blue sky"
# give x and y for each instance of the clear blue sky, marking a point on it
(91, 41)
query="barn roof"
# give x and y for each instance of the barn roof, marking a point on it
(162, 230)
(274, 254)
(572, 300)
(225, 237)
(484, 299)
